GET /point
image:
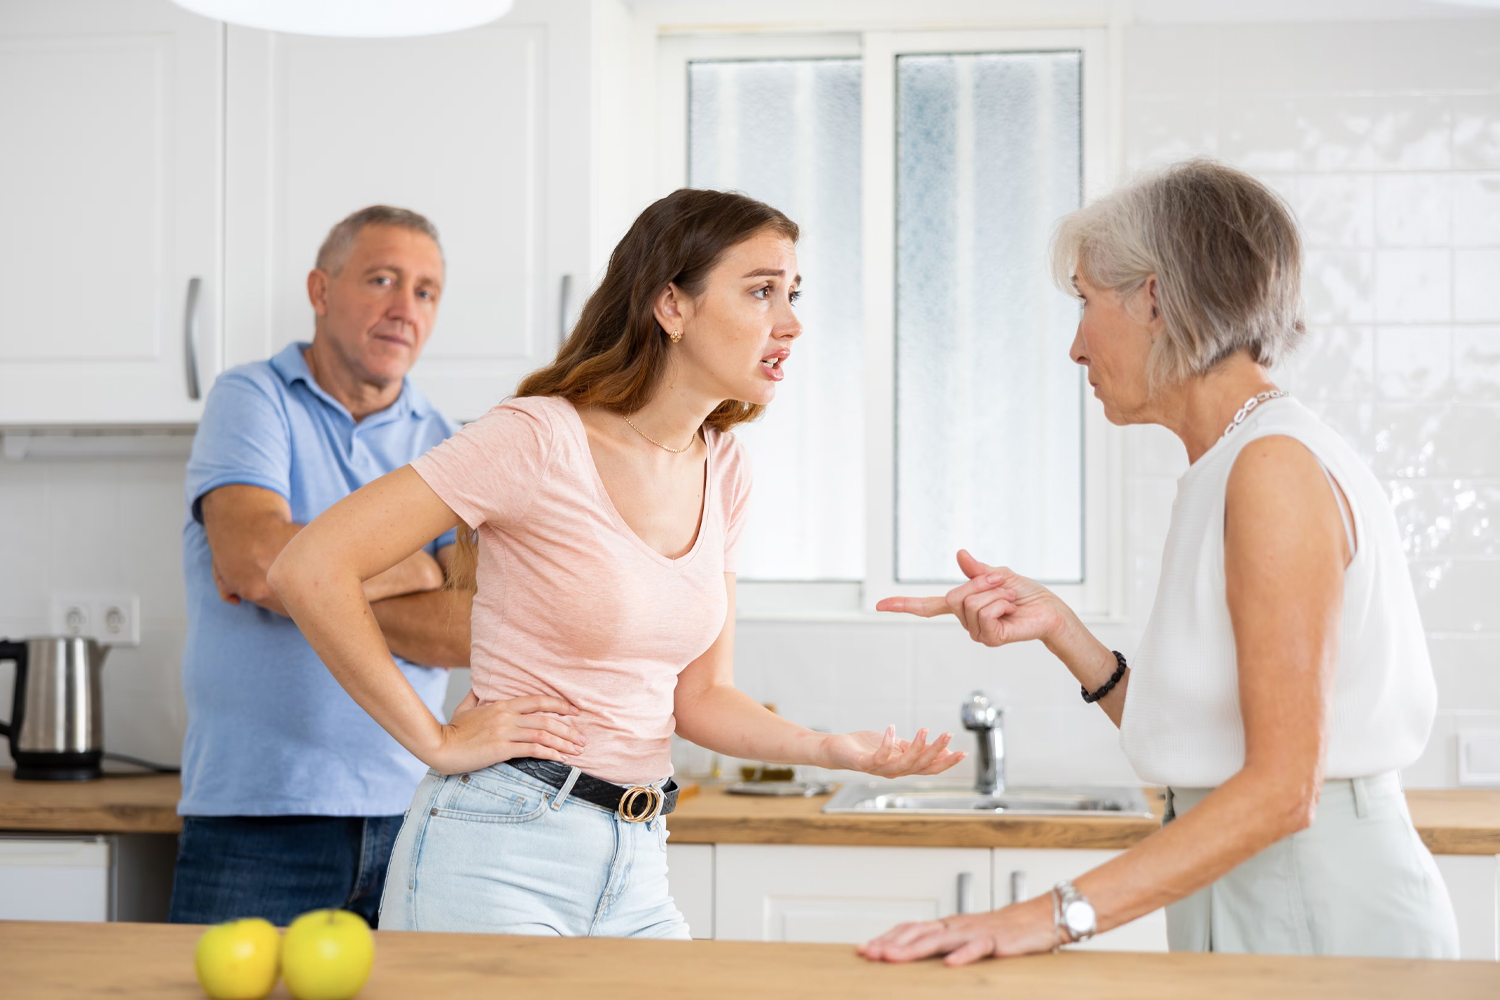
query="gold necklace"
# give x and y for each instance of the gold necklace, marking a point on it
(648, 437)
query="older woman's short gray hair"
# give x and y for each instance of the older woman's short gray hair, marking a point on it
(1225, 252)
(334, 252)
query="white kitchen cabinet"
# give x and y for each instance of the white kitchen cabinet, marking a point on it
(110, 188)
(1473, 882)
(1024, 874)
(486, 132)
(86, 878)
(781, 892)
(690, 879)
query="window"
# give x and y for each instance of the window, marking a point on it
(930, 405)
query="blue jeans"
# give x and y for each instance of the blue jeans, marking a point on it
(278, 867)
(500, 852)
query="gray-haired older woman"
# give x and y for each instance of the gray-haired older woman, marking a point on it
(1283, 677)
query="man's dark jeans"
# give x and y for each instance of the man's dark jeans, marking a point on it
(279, 867)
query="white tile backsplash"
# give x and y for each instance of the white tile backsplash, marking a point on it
(1385, 139)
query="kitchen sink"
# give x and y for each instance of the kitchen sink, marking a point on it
(938, 799)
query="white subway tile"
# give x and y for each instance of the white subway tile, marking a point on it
(1337, 210)
(1257, 59)
(1438, 765)
(1476, 209)
(1414, 362)
(1458, 595)
(1412, 133)
(1334, 58)
(1476, 286)
(1440, 518)
(1467, 669)
(1476, 131)
(1413, 210)
(1354, 422)
(1159, 132)
(1436, 56)
(1413, 286)
(1336, 132)
(1332, 363)
(1338, 286)
(1476, 363)
(1257, 133)
(1170, 60)
(1453, 440)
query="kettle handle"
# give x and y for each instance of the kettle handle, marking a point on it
(13, 651)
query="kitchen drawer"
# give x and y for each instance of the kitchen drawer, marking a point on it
(55, 878)
(1025, 874)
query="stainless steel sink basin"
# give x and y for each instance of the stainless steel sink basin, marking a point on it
(938, 799)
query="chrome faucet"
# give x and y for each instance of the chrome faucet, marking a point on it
(987, 723)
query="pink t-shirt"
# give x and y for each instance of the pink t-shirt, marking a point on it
(571, 602)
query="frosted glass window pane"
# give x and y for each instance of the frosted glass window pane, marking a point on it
(787, 131)
(989, 410)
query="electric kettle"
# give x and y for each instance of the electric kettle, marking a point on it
(56, 726)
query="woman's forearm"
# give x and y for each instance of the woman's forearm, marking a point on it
(725, 720)
(1238, 820)
(1088, 660)
(330, 608)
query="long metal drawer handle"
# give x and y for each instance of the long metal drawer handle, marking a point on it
(190, 336)
(1017, 886)
(965, 892)
(564, 303)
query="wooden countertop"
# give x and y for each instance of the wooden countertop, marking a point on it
(44, 961)
(1462, 821)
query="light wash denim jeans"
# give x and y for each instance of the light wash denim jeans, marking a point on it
(498, 851)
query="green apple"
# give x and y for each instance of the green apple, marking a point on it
(237, 960)
(327, 955)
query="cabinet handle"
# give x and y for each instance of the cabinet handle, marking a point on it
(1017, 886)
(190, 336)
(564, 304)
(965, 892)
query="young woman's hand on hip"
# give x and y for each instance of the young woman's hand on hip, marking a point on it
(996, 605)
(481, 735)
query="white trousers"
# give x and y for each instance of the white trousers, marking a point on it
(1359, 881)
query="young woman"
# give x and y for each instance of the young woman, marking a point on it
(608, 500)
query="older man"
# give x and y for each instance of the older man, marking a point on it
(292, 795)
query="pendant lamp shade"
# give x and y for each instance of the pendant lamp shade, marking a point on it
(353, 18)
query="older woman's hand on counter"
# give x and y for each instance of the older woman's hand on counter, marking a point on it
(1018, 929)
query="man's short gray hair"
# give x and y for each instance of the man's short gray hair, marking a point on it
(334, 253)
(1225, 252)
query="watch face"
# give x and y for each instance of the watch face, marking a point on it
(1079, 915)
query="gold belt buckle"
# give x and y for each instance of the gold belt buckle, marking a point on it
(633, 797)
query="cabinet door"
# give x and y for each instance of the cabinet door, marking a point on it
(54, 878)
(690, 877)
(109, 188)
(484, 131)
(1025, 874)
(776, 892)
(1473, 881)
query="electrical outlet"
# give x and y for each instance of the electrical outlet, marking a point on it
(113, 619)
(1479, 757)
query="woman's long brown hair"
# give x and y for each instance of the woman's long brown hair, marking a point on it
(617, 353)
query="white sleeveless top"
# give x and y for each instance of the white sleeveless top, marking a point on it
(1181, 724)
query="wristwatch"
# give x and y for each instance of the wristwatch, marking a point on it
(1072, 913)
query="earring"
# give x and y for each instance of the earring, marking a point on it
(676, 336)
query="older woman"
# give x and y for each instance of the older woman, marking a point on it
(1283, 679)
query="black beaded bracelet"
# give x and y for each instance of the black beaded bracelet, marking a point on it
(1109, 685)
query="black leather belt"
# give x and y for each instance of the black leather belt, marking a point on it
(633, 804)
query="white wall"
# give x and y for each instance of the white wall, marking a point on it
(1386, 138)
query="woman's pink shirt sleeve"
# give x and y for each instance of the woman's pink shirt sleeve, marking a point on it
(491, 469)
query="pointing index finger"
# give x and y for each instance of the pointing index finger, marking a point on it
(923, 607)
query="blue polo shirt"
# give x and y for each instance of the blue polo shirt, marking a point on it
(270, 732)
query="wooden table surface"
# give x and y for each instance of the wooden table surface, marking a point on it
(46, 961)
(1451, 821)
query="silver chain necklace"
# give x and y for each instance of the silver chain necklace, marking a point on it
(1251, 404)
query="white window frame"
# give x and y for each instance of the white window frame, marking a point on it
(1101, 595)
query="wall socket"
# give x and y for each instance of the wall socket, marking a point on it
(113, 619)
